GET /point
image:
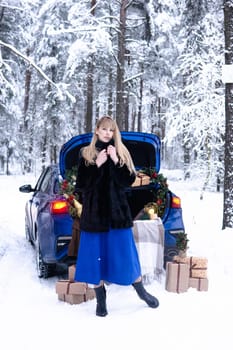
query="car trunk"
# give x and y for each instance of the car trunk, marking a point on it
(145, 151)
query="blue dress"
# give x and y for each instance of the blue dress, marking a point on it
(109, 256)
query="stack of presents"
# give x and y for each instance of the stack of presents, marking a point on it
(181, 274)
(185, 272)
(73, 292)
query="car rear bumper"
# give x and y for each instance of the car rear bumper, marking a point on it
(55, 240)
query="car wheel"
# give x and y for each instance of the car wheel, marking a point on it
(44, 270)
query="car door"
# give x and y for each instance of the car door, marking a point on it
(40, 199)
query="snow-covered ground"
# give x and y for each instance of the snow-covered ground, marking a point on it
(32, 317)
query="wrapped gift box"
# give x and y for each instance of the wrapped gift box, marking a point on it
(73, 292)
(90, 294)
(61, 297)
(183, 260)
(201, 284)
(77, 288)
(177, 277)
(74, 298)
(62, 287)
(141, 179)
(137, 182)
(145, 179)
(197, 265)
(71, 272)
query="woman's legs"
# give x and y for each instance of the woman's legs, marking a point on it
(100, 292)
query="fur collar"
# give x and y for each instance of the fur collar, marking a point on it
(103, 145)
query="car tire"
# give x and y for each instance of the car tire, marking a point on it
(44, 270)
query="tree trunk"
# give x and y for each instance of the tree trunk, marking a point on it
(126, 106)
(53, 148)
(89, 110)
(120, 102)
(228, 160)
(140, 101)
(26, 128)
(110, 94)
(43, 149)
(186, 150)
(28, 76)
(53, 119)
(110, 107)
(90, 75)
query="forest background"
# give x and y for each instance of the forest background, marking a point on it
(155, 66)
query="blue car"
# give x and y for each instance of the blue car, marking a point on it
(48, 224)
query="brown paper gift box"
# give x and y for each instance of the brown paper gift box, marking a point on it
(77, 288)
(197, 265)
(90, 294)
(141, 180)
(73, 292)
(145, 180)
(61, 297)
(74, 298)
(184, 260)
(71, 272)
(177, 277)
(201, 284)
(137, 182)
(62, 287)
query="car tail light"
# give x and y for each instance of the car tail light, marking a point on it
(176, 202)
(59, 207)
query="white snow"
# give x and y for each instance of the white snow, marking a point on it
(32, 318)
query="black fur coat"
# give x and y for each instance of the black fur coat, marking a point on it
(103, 196)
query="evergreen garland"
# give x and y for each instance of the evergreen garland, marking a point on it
(161, 191)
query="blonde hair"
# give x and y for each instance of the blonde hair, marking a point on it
(90, 152)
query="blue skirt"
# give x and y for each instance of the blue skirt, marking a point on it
(107, 256)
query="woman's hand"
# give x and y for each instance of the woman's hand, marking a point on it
(101, 158)
(111, 151)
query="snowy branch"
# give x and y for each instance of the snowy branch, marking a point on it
(18, 53)
(129, 4)
(11, 7)
(133, 77)
(93, 7)
(60, 92)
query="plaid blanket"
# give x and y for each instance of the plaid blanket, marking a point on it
(149, 239)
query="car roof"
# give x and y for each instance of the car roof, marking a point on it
(143, 147)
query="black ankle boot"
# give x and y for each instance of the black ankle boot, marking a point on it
(101, 309)
(144, 295)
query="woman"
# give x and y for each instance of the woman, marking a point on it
(107, 251)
